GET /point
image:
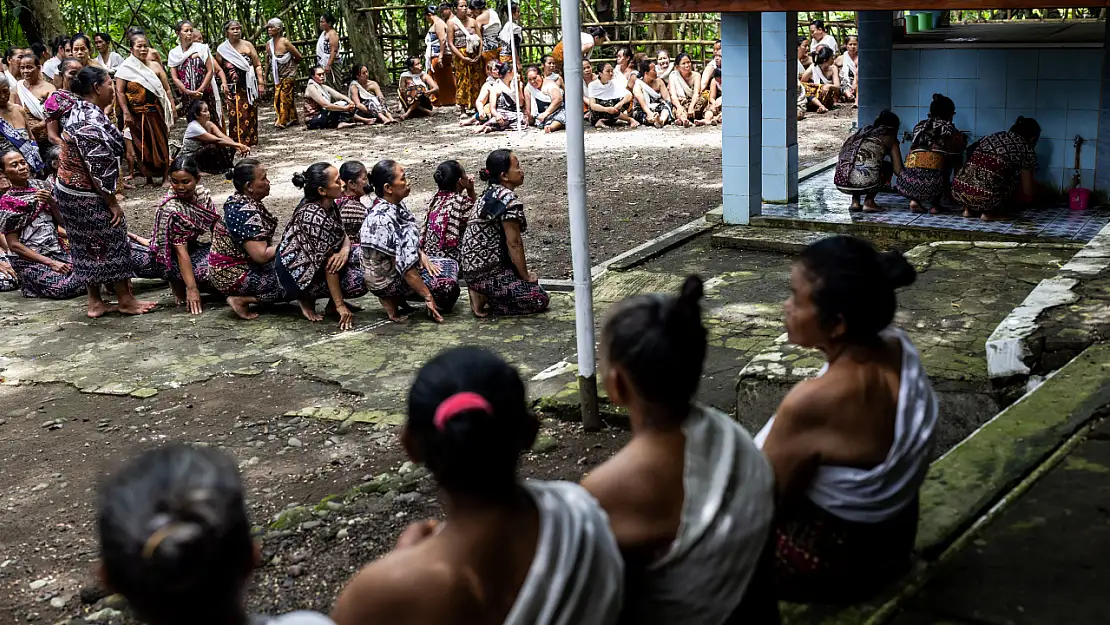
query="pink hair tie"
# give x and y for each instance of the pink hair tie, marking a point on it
(459, 403)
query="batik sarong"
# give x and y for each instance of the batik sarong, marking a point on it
(444, 287)
(242, 116)
(285, 103)
(508, 294)
(148, 129)
(468, 82)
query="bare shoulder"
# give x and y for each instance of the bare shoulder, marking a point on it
(805, 406)
(386, 590)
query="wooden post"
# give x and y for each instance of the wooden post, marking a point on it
(363, 39)
(415, 28)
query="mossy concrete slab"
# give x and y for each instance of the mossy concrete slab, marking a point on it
(765, 239)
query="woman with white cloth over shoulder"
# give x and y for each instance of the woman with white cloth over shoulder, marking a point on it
(194, 71)
(142, 93)
(325, 107)
(510, 551)
(246, 83)
(367, 96)
(284, 58)
(690, 498)
(33, 91)
(850, 447)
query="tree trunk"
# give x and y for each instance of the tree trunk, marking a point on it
(363, 39)
(41, 20)
(415, 28)
(606, 10)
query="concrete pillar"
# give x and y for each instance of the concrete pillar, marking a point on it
(1102, 150)
(876, 41)
(779, 32)
(743, 118)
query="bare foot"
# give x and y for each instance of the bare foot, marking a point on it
(478, 304)
(178, 289)
(633, 124)
(137, 307)
(985, 216)
(855, 207)
(308, 309)
(392, 310)
(936, 210)
(967, 213)
(345, 125)
(916, 207)
(101, 308)
(239, 305)
(872, 207)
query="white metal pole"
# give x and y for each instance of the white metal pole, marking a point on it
(579, 224)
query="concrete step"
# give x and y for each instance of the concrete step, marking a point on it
(764, 239)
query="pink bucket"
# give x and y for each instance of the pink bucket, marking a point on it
(1079, 199)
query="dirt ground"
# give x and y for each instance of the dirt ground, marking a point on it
(640, 183)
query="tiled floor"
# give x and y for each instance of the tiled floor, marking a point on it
(819, 200)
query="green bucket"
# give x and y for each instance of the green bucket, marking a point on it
(924, 21)
(911, 23)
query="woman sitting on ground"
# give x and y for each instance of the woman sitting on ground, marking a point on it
(690, 498)
(587, 78)
(623, 63)
(663, 65)
(544, 102)
(609, 99)
(493, 261)
(397, 270)
(551, 71)
(325, 107)
(185, 215)
(175, 539)
(690, 104)
(999, 169)
(862, 169)
(652, 101)
(356, 181)
(849, 71)
(204, 142)
(448, 211)
(9, 279)
(13, 128)
(367, 96)
(506, 113)
(822, 81)
(30, 225)
(241, 261)
(935, 151)
(482, 108)
(850, 447)
(511, 551)
(414, 88)
(313, 258)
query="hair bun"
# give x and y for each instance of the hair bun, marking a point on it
(298, 180)
(484, 174)
(230, 174)
(898, 271)
(693, 289)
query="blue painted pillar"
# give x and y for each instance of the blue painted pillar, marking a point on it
(876, 41)
(1102, 150)
(743, 118)
(779, 32)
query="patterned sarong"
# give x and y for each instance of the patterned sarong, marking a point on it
(285, 102)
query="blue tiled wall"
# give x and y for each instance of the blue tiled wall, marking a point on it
(991, 88)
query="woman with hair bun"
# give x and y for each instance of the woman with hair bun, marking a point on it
(510, 551)
(935, 151)
(493, 261)
(184, 215)
(850, 447)
(690, 498)
(505, 111)
(1000, 169)
(863, 168)
(175, 539)
(445, 221)
(314, 257)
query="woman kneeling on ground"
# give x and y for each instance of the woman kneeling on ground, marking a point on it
(609, 99)
(29, 221)
(862, 169)
(690, 498)
(505, 104)
(241, 262)
(448, 211)
(934, 151)
(415, 88)
(356, 184)
(175, 540)
(1000, 169)
(208, 146)
(544, 102)
(180, 220)
(367, 96)
(313, 258)
(511, 551)
(493, 260)
(690, 103)
(850, 447)
(397, 270)
(822, 81)
(325, 107)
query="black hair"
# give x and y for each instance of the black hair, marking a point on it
(647, 330)
(854, 284)
(497, 164)
(411, 62)
(472, 451)
(59, 43)
(447, 6)
(181, 24)
(243, 173)
(8, 151)
(29, 55)
(69, 60)
(329, 18)
(38, 49)
(194, 110)
(682, 55)
(356, 69)
(104, 36)
(381, 175)
(543, 59)
(802, 39)
(626, 51)
(942, 107)
(74, 39)
(135, 34)
(645, 66)
(311, 180)
(477, 5)
(228, 24)
(532, 68)
(447, 175)
(818, 24)
(87, 80)
(887, 119)
(504, 69)
(175, 539)
(186, 164)
(851, 37)
(9, 53)
(431, 9)
(597, 32)
(601, 67)
(50, 154)
(504, 8)
(314, 69)
(1028, 128)
(351, 170)
(822, 55)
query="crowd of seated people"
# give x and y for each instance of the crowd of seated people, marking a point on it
(941, 172)
(826, 77)
(694, 520)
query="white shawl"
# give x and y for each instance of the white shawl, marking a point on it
(727, 510)
(877, 494)
(608, 91)
(134, 70)
(679, 89)
(277, 61)
(848, 71)
(177, 56)
(577, 574)
(367, 96)
(30, 102)
(243, 64)
(534, 95)
(322, 52)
